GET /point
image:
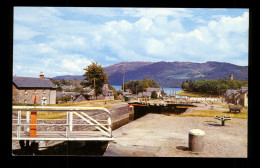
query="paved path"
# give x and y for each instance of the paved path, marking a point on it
(158, 135)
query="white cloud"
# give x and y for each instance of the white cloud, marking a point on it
(102, 11)
(111, 58)
(155, 47)
(230, 24)
(74, 64)
(67, 46)
(154, 12)
(24, 33)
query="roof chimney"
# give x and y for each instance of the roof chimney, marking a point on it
(41, 75)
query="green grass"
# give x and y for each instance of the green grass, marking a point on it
(92, 103)
(213, 113)
(58, 115)
(195, 94)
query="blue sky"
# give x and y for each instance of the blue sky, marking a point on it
(64, 40)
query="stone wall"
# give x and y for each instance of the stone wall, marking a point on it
(119, 115)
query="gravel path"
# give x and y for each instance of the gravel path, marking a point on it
(159, 135)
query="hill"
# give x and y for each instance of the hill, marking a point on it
(169, 74)
(172, 74)
(70, 77)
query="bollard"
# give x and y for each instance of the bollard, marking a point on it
(33, 121)
(196, 140)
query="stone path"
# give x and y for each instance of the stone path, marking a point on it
(158, 135)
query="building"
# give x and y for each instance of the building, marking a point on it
(157, 90)
(241, 98)
(237, 97)
(230, 95)
(25, 87)
(91, 95)
(68, 88)
(144, 94)
(231, 76)
(80, 98)
(107, 94)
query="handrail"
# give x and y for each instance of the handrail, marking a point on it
(105, 128)
(57, 108)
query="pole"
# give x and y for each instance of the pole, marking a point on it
(123, 79)
(70, 121)
(27, 122)
(94, 89)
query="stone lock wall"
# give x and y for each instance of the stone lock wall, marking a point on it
(119, 115)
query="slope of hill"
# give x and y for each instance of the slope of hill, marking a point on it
(70, 77)
(169, 74)
(172, 74)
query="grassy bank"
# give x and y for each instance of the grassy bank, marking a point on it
(195, 94)
(58, 115)
(213, 113)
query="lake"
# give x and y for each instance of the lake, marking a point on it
(117, 87)
(168, 91)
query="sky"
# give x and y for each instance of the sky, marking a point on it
(65, 40)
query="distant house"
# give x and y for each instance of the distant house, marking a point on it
(163, 93)
(126, 94)
(107, 94)
(241, 98)
(25, 87)
(66, 87)
(237, 97)
(91, 95)
(144, 94)
(149, 91)
(120, 97)
(157, 90)
(230, 95)
(74, 97)
(80, 98)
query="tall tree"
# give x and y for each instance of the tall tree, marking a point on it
(95, 76)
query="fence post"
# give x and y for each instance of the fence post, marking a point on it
(33, 124)
(18, 123)
(109, 126)
(67, 127)
(27, 122)
(70, 120)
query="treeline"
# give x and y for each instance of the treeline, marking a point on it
(67, 82)
(136, 86)
(216, 87)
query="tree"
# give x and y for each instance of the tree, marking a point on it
(137, 86)
(65, 98)
(154, 94)
(185, 86)
(95, 76)
(222, 88)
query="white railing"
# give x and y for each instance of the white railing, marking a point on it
(97, 129)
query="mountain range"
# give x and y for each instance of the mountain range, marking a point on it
(169, 74)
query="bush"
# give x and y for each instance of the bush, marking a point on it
(154, 94)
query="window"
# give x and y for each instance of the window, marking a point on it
(25, 92)
(35, 91)
(43, 91)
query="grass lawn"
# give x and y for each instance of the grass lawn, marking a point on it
(195, 94)
(58, 115)
(213, 113)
